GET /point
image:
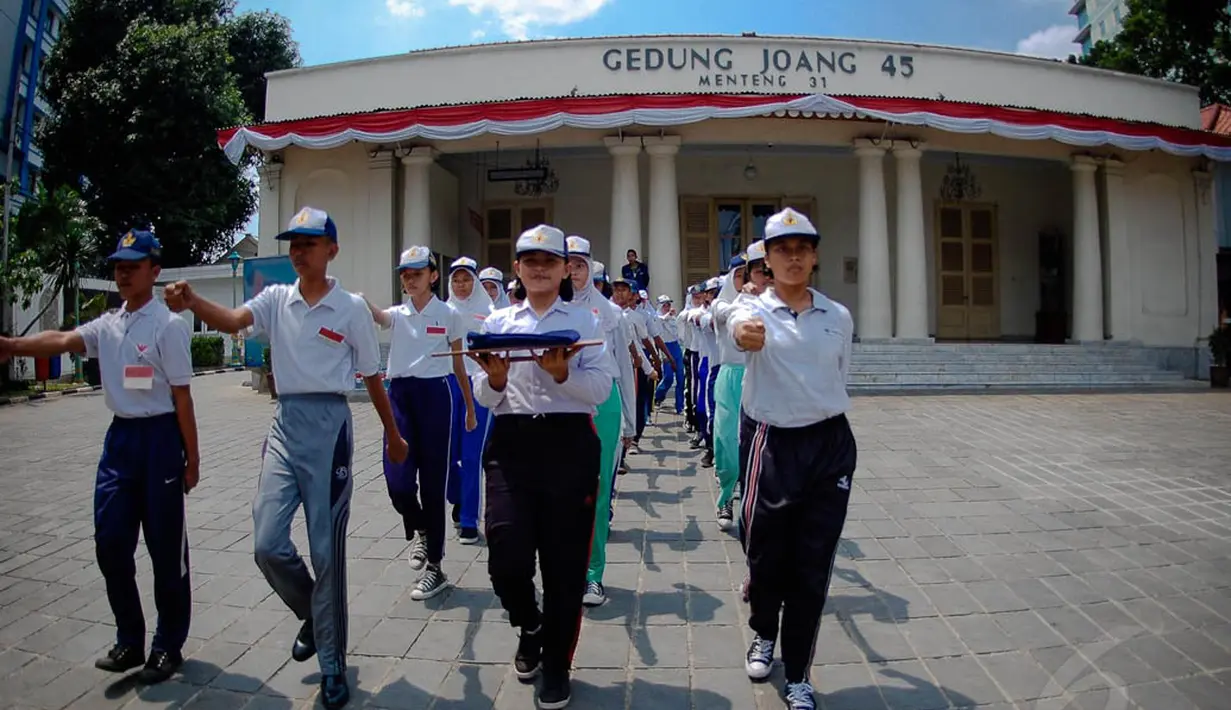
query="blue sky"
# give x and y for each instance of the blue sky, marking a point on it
(338, 30)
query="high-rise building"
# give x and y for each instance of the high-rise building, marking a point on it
(28, 30)
(1097, 20)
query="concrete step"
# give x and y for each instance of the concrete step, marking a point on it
(977, 367)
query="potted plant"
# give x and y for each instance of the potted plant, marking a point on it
(267, 367)
(1220, 356)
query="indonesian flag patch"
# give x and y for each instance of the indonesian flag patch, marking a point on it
(436, 330)
(138, 377)
(331, 335)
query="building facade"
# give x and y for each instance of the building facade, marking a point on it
(1097, 20)
(28, 31)
(961, 195)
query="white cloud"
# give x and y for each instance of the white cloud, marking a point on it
(404, 8)
(516, 16)
(1054, 42)
(478, 34)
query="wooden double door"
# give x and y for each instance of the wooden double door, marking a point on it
(715, 229)
(967, 284)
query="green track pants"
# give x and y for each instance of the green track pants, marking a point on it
(728, 390)
(607, 422)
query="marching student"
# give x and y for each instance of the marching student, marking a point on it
(320, 336)
(728, 385)
(425, 408)
(492, 280)
(608, 417)
(464, 480)
(707, 371)
(801, 454)
(671, 341)
(688, 338)
(627, 366)
(542, 462)
(150, 458)
(511, 293)
(625, 296)
(758, 279)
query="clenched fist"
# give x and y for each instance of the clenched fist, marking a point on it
(750, 335)
(179, 296)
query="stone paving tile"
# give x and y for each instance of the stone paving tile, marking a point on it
(1001, 552)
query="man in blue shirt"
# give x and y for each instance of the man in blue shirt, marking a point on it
(635, 271)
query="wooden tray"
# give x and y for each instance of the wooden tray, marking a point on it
(522, 348)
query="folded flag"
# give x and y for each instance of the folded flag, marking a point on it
(513, 341)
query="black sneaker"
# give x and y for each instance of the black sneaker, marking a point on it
(556, 691)
(468, 536)
(799, 696)
(708, 459)
(457, 515)
(120, 659)
(529, 658)
(595, 594)
(305, 643)
(334, 691)
(418, 551)
(759, 661)
(161, 666)
(432, 582)
(726, 516)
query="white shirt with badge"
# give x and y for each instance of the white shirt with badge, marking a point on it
(141, 356)
(316, 349)
(530, 389)
(706, 342)
(720, 313)
(669, 327)
(418, 335)
(799, 377)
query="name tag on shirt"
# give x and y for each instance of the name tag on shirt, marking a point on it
(330, 336)
(138, 377)
(436, 330)
(479, 317)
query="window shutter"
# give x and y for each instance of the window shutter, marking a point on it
(697, 239)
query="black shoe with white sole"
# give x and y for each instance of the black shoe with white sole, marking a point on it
(433, 582)
(759, 662)
(556, 691)
(595, 594)
(529, 658)
(799, 696)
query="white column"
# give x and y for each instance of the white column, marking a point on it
(269, 216)
(625, 201)
(1117, 291)
(664, 238)
(382, 168)
(1205, 260)
(875, 319)
(1087, 254)
(417, 198)
(912, 284)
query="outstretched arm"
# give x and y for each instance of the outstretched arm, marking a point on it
(45, 344)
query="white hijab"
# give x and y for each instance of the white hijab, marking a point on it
(478, 304)
(494, 275)
(606, 311)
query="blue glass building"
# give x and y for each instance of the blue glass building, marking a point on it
(28, 31)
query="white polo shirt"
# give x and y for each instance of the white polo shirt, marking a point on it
(316, 349)
(417, 335)
(706, 342)
(669, 326)
(799, 377)
(728, 354)
(530, 390)
(141, 356)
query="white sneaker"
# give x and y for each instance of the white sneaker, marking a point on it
(418, 551)
(760, 659)
(595, 594)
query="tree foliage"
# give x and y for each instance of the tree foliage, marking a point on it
(1188, 41)
(138, 89)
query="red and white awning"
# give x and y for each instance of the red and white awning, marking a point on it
(529, 117)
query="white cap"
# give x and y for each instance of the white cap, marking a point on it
(713, 284)
(542, 238)
(664, 299)
(756, 251)
(578, 245)
(416, 258)
(598, 271)
(491, 273)
(644, 296)
(789, 223)
(464, 262)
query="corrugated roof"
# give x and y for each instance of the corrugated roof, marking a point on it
(1216, 118)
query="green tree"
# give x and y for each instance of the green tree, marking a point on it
(1188, 41)
(56, 228)
(138, 89)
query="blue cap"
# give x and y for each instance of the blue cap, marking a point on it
(311, 222)
(621, 281)
(137, 245)
(416, 258)
(737, 261)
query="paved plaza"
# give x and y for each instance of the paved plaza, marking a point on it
(1002, 551)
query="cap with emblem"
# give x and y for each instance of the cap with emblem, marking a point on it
(311, 222)
(664, 299)
(491, 273)
(713, 284)
(599, 271)
(464, 262)
(756, 251)
(543, 238)
(789, 223)
(137, 245)
(621, 281)
(416, 258)
(738, 260)
(578, 246)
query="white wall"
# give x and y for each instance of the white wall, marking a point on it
(22, 368)
(616, 65)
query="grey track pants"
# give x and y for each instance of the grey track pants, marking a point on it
(307, 460)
